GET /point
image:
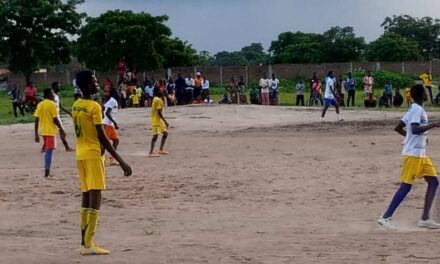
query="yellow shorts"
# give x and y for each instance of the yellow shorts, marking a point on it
(414, 168)
(158, 130)
(91, 174)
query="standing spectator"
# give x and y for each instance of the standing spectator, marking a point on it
(426, 78)
(149, 91)
(254, 95)
(205, 91)
(122, 69)
(329, 97)
(241, 86)
(351, 88)
(171, 91)
(299, 93)
(264, 88)
(124, 88)
(368, 83)
(341, 90)
(312, 81)
(180, 89)
(16, 97)
(189, 89)
(274, 85)
(233, 89)
(389, 91)
(316, 90)
(198, 87)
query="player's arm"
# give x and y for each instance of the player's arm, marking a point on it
(159, 113)
(109, 116)
(37, 138)
(416, 128)
(400, 129)
(60, 127)
(108, 146)
(65, 110)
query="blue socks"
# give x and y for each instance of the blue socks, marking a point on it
(397, 199)
(48, 159)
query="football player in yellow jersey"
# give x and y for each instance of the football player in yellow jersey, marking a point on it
(90, 146)
(46, 122)
(158, 123)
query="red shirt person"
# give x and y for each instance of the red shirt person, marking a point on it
(30, 94)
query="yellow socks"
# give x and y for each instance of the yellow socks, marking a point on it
(90, 227)
(84, 221)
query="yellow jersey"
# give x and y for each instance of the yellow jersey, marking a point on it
(426, 79)
(46, 111)
(155, 107)
(135, 98)
(86, 115)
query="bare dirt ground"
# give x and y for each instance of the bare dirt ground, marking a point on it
(243, 184)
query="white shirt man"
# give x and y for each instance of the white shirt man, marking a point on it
(189, 83)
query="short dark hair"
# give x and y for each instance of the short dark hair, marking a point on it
(156, 91)
(55, 86)
(114, 93)
(417, 92)
(329, 73)
(47, 93)
(83, 79)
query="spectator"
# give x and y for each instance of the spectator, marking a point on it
(426, 78)
(189, 89)
(408, 96)
(205, 91)
(170, 92)
(149, 91)
(384, 100)
(233, 90)
(16, 99)
(389, 91)
(398, 98)
(134, 98)
(341, 90)
(254, 95)
(198, 87)
(351, 88)
(312, 82)
(107, 86)
(264, 88)
(241, 86)
(124, 95)
(368, 83)
(274, 85)
(316, 90)
(299, 93)
(30, 94)
(370, 101)
(180, 89)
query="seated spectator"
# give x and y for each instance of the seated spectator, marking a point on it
(135, 99)
(254, 95)
(384, 100)
(398, 99)
(30, 94)
(370, 101)
(170, 91)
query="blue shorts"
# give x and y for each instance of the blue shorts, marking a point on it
(328, 102)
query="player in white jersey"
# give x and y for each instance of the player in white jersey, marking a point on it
(56, 99)
(416, 163)
(330, 97)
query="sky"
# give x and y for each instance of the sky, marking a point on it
(229, 25)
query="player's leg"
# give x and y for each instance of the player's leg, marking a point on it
(431, 190)
(153, 143)
(338, 115)
(162, 143)
(398, 197)
(49, 146)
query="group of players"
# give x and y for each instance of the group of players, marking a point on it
(93, 135)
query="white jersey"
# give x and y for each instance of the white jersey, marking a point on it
(113, 105)
(274, 84)
(415, 144)
(329, 84)
(56, 100)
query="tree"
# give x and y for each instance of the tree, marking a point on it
(254, 54)
(205, 58)
(33, 34)
(141, 39)
(342, 45)
(392, 47)
(225, 58)
(425, 32)
(298, 47)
